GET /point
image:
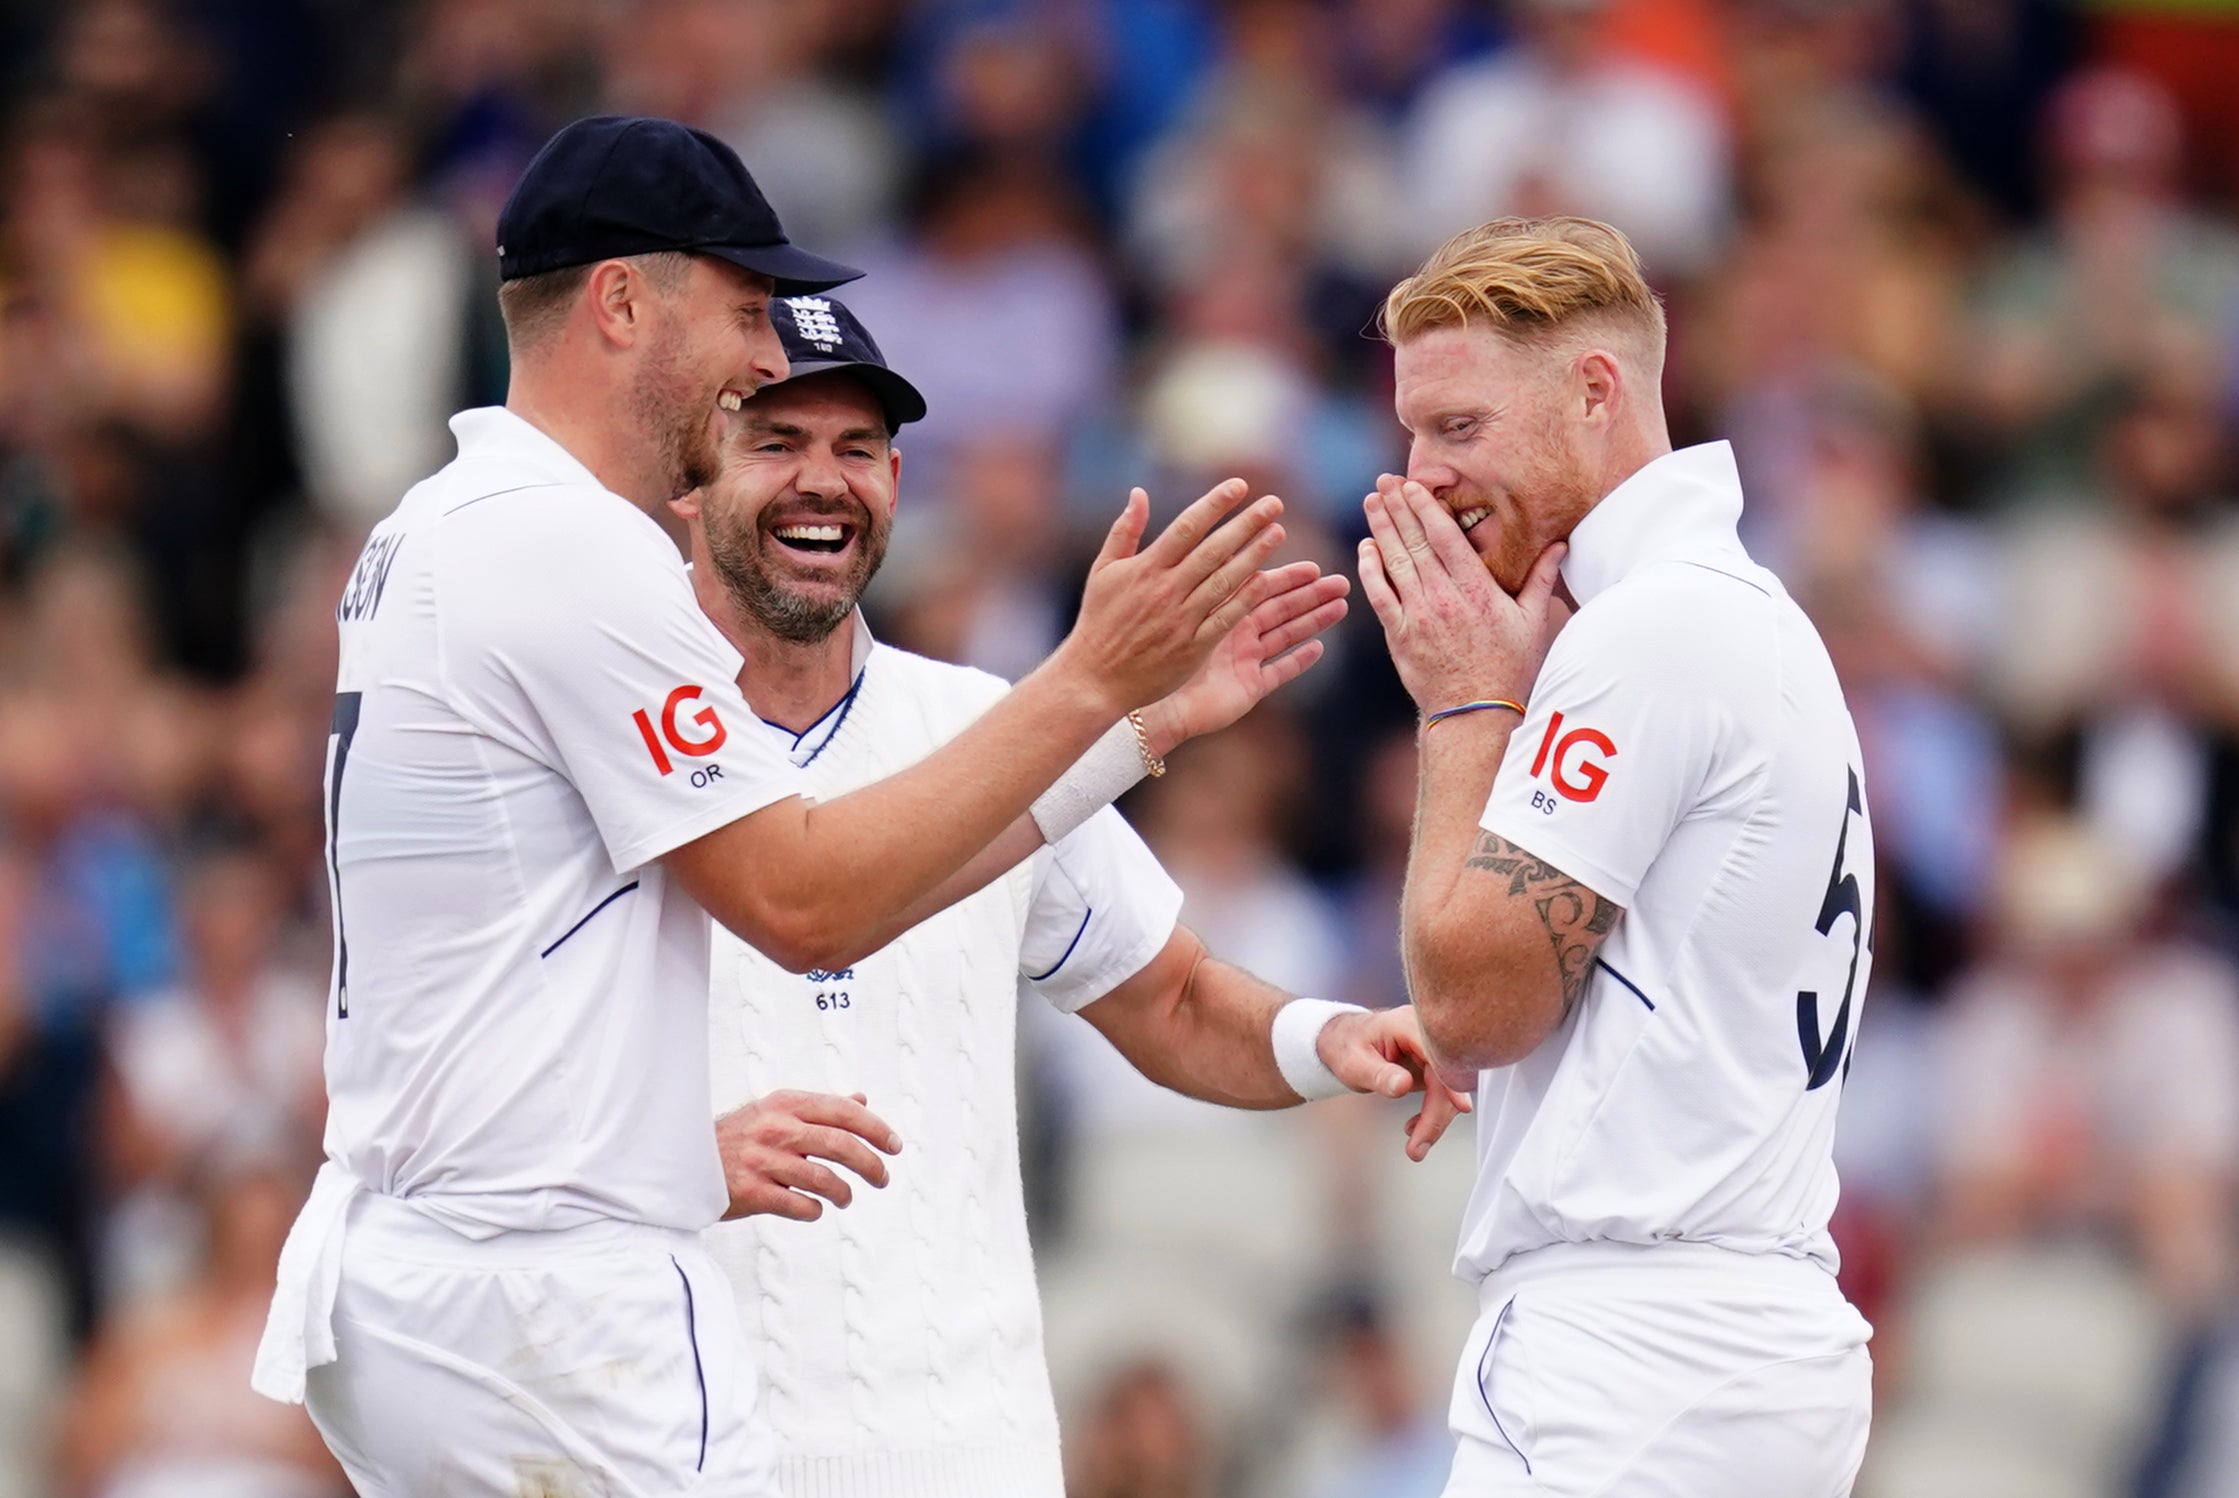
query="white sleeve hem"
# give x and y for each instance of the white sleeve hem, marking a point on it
(662, 841)
(1546, 844)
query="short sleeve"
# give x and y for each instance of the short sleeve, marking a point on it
(584, 645)
(1102, 908)
(1622, 736)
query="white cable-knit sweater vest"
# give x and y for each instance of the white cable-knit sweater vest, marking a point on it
(898, 1341)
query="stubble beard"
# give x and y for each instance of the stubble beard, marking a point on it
(794, 615)
(668, 404)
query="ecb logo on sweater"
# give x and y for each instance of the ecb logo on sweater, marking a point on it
(708, 737)
(1577, 762)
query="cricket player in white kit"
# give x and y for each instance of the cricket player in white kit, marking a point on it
(542, 782)
(900, 1345)
(1639, 902)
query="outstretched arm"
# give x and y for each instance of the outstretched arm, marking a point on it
(1277, 643)
(1203, 1028)
(820, 885)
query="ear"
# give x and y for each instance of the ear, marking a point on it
(620, 301)
(894, 460)
(1599, 384)
(686, 505)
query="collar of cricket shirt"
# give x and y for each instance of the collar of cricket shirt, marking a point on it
(1681, 507)
(499, 434)
(805, 746)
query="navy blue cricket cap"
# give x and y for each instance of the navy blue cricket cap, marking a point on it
(820, 333)
(618, 185)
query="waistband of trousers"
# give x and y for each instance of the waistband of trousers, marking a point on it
(399, 1226)
(1674, 1261)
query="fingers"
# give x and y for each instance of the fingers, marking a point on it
(1240, 604)
(1539, 583)
(1377, 588)
(1195, 523)
(767, 1200)
(1441, 1106)
(1238, 581)
(1285, 669)
(841, 1113)
(1288, 580)
(1298, 631)
(1442, 532)
(798, 1174)
(1219, 565)
(841, 1147)
(1399, 564)
(1357, 1058)
(1127, 531)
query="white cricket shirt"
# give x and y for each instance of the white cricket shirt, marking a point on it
(531, 710)
(1689, 756)
(899, 1342)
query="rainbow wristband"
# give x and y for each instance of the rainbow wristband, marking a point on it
(1474, 707)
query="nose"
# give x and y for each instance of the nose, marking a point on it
(766, 356)
(820, 475)
(1432, 475)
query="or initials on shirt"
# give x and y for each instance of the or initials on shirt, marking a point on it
(711, 737)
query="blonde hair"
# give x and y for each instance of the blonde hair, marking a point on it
(1528, 279)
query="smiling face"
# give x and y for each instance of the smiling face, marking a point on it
(1492, 435)
(796, 520)
(709, 347)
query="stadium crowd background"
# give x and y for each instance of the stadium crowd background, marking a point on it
(1959, 278)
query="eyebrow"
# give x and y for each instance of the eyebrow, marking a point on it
(793, 429)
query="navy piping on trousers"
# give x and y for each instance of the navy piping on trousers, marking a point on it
(692, 1335)
(1486, 1397)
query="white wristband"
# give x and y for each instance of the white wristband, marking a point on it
(1297, 1035)
(1098, 778)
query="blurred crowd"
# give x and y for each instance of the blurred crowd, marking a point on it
(1959, 279)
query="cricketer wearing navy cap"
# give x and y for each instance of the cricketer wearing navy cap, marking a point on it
(540, 787)
(902, 1344)
(618, 185)
(821, 333)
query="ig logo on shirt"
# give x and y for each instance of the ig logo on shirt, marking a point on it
(709, 734)
(1576, 763)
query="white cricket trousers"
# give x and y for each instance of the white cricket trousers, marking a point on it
(599, 1360)
(1680, 1371)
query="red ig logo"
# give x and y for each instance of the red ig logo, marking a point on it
(1576, 776)
(713, 733)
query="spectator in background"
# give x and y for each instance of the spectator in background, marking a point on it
(1849, 268)
(160, 1408)
(755, 73)
(1561, 123)
(973, 582)
(46, 1074)
(228, 1060)
(370, 289)
(996, 306)
(2126, 287)
(2090, 1075)
(1141, 1438)
(1371, 900)
(1400, 1447)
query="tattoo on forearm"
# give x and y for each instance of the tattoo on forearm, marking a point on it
(1575, 917)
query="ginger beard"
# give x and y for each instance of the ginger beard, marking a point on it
(1544, 496)
(1491, 437)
